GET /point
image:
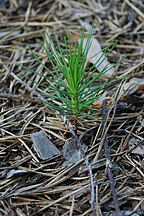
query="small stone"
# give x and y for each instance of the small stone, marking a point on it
(43, 146)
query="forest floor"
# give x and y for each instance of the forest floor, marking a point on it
(32, 184)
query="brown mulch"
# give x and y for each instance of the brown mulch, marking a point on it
(31, 186)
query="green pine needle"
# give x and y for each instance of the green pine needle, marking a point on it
(71, 83)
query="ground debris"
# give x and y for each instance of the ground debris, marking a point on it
(71, 152)
(43, 146)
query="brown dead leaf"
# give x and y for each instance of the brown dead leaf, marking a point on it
(98, 104)
(74, 37)
(97, 57)
(133, 86)
(95, 54)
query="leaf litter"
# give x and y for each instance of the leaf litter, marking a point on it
(95, 53)
(43, 187)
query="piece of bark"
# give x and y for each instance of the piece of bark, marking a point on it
(71, 152)
(43, 146)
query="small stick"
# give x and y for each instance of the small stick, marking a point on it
(108, 161)
(79, 144)
(18, 97)
(75, 124)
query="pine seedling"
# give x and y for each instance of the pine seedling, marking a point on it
(69, 85)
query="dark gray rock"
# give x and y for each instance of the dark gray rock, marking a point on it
(43, 146)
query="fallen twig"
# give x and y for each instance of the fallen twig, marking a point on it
(108, 161)
(79, 144)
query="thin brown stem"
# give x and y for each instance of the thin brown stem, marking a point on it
(108, 161)
(75, 124)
